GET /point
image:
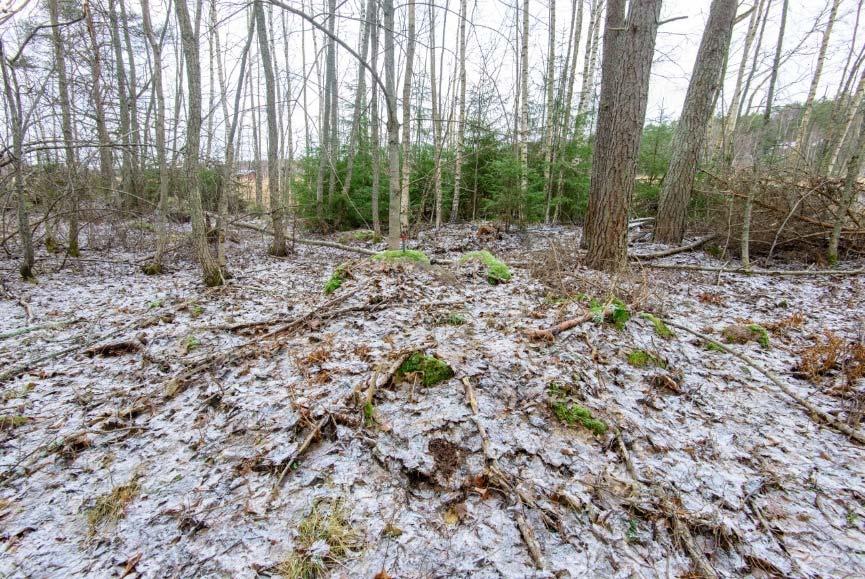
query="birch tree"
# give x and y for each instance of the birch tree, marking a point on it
(406, 122)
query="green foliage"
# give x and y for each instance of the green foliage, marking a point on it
(368, 414)
(429, 369)
(497, 271)
(398, 255)
(614, 312)
(642, 358)
(660, 327)
(714, 347)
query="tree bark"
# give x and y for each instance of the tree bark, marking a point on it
(693, 122)
(629, 45)
(524, 105)
(406, 123)
(156, 266)
(550, 111)
(374, 121)
(393, 234)
(436, 121)
(461, 115)
(278, 246)
(106, 163)
(211, 271)
(854, 168)
(776, 64)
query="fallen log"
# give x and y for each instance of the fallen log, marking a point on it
(671, 251)
(752, 271)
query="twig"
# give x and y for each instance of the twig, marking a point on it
(312, 435)
(549, 334)
(812, 409)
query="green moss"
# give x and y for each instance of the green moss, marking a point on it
(642, 358)
(368, 414)
(398, 255)
(660, 327)
(714, 347)
(760, 335)
(190, 343)
(195, 310)
(451, 319)
(430, 369)
(152, 268)
(336, 280)
(497, 271)
(573, 414)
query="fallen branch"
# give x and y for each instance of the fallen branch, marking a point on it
(812, 409)
(672, 250)
(302, 241)
(307, 441)
(776, 272)
(28, 329)
(549, 334)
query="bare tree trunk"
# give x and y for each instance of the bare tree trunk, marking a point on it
(691, 129)
(126, 178)
(287, 182)
(849, 122)
(804, 132)
(406, 123)
(776, 64)
(132, 90)
(106, 164)
(374, 121)
(550, 111)
(732, 117)
(278, 246)
(359, 96)
(12, 93)
(72, 185)
(590, 58)
(854, 168)
(524, 105)
(754, 63)
(210, 268)
(437, 122)
(461, 118)
(156, 266)
(393, 234)
(256, 143)
(628, 49)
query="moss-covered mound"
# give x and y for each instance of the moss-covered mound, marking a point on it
(429, 369)
(642, 359)
(742, 334)
(497, 271)
(398, 255)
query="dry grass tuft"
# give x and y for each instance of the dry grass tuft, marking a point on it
(111, 507)
(325, 539)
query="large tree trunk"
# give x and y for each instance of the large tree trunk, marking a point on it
(72, 185)
(126, 178)
(629, 46)
(461, 115)
(691, 128)
(132, 95)
(12, 92)
(278, 246)
(406, 123)
(156, 266)
(189, 40)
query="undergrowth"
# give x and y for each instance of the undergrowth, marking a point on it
(399, 255)
(572, 413)
(111, 507)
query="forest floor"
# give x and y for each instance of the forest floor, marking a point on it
(234, 431)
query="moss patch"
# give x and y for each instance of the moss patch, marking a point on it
(398, 255)
(497, 271)
(613, 312)
(660, 327)
(339, 275)
(571, 413)
(642, 359)
(429, 369)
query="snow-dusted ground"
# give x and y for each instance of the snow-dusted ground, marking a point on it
(765, 490)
